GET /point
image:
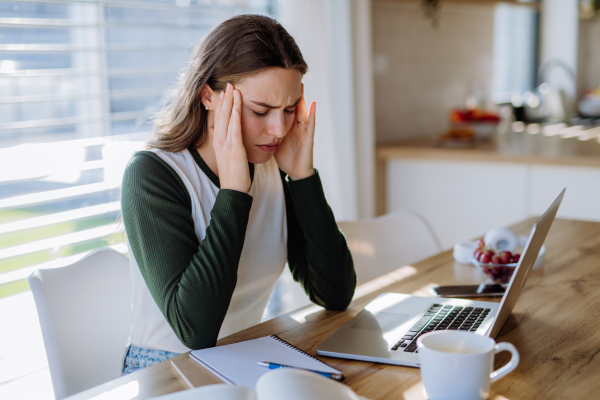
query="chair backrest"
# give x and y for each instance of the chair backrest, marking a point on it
(383, 244)
(85, 315)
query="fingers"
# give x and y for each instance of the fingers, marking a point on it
(224, 115)
(234, 130)
(312, 116)
(237, 101)
(217, 112)
(217, 118)
(301, 111)
(234, 136)
(219, 105)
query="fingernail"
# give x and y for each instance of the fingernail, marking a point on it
(229, 87)
(236, 94)
(221, 95)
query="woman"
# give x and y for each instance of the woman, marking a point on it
(226, 195)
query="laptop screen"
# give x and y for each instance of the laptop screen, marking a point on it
(530, 252)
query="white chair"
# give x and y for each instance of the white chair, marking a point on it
(383, 244)
(85, 315)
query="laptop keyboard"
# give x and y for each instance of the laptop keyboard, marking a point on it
(440, 317)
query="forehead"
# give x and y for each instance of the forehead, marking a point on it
(277, 86)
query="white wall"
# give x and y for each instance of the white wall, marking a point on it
(335, 39)
(422, 72)
(322, 29)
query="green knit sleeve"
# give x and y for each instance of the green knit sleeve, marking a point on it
(191, 282)
(318, 256)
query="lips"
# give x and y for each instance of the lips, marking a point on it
(269, 148)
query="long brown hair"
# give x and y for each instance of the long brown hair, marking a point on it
(236, 49)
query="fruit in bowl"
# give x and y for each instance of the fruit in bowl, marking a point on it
(473, 115)
(480, 123)
(495, 267)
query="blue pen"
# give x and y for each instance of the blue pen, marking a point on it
(270, 365)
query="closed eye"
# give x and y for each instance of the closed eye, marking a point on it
(260, 115)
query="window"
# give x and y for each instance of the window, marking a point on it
(79, 81)
(515, 51)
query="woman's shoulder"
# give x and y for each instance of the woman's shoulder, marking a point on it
(145, 163)
(151, 186)
(143, 158)
(151, 159)
(147, 169)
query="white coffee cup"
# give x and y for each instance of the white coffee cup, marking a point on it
(459, 365)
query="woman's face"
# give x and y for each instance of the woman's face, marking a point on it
(269, 102)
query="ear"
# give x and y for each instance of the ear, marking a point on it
(208, 95)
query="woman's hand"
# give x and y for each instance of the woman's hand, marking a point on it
(294, 155)
(232, 161)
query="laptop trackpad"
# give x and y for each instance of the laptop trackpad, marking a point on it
(381, 322)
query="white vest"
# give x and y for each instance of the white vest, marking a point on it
(263, 257)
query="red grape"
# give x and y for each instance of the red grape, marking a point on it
(506, 257)
(506, 274)
(485, 258)
(496, 273)
(515, 258)
(480, 244)
(477, 253)
(496, 260)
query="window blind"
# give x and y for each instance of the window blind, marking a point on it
(515, 51)
(79, 81)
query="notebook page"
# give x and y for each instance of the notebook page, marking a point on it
(238, 362)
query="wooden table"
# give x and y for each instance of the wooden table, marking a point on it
(555, 326)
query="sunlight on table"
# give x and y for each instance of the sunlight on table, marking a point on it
(125, 392)
(425, 291)
(362, 290)
(383, 281)
(300, 316)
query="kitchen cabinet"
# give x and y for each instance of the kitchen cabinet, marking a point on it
(463, 193)
(582, 200)
(475, 2)
(460, 200)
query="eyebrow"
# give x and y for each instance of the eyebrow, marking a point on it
(258, 103)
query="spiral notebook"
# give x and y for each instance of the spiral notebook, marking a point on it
(237, 363)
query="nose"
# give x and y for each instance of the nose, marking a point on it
(277, 125)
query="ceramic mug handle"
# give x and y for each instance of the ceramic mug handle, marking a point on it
(512, 364)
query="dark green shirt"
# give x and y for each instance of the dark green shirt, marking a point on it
(191, 282)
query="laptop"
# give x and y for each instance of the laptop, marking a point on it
(386, 330)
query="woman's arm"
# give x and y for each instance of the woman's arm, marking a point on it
(318, 255)
(192, 283)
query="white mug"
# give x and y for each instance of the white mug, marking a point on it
(459, 365)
